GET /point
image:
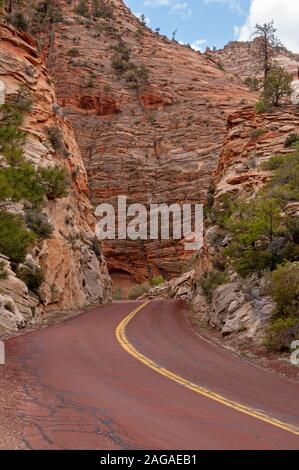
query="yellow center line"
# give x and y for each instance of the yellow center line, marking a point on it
(127, 346)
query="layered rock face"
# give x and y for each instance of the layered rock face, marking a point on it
(239, 308)
(237, 58)
(157, 142)
(242, 308)
(75, 270)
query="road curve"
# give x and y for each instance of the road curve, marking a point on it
(81, 387)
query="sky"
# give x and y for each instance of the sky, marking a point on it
(209, 23)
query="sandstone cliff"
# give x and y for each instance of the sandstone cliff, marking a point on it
(239, 307)
(149, 116)
(243, 307)
(237, 58)
(74, 268)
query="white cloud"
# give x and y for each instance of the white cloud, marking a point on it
(199, 45)
(178, 7)
(157, 3)
(233, 4)
(285, 14)
(182, 9)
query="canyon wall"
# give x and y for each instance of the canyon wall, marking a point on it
(74, 268)
(237, 57)
(240, 307)
(155, 138)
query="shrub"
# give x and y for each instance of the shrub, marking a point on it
(277, 85)
(138, 291)
(21, 100)
(56, 138)
(101, 9)
(73, 52)
(3, 272)
(107, 88)
(33, 277)
(55, 181)
(21, 183)
(15, 239)
(156, 281)
(211, 281)
(96, 246)
(82, 8)
(254, 227)
(257, 133)
(253, 83)
(262, 106)
(280, 334)
(284, 289)
(117, 294)
(39, 224)
(12, 139)
(291, 140)
(119, 64)
(151, 119)
(18, 20)
(284, 186)
(273, 163)
(11, 115)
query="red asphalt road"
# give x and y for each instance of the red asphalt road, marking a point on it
(82, 390)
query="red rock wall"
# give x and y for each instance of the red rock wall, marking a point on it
(159, 143)
(75, 275)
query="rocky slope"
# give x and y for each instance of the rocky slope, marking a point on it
(154, 138)
(236, 57)
(75, 270)
(240, 308)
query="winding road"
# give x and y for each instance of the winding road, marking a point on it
(136, 376)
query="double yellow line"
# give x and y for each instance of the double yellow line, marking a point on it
(127, 346)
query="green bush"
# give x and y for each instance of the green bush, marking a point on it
(55, 137)
(11, 137)
(22, 100)
(33, 277)
(101, 9)
(211, 281)
(262, 106)
(82, 8)
(284, 186)
(3, 272)
(117, 294)
(21, 183)
(156, 281)
(18, 20)
(119, 64)
(284, 289)
(291, 140)
(255, 228)
(277, 85)
(257, 133)
(10, 115)
(73, 52)
(273, 163)
(280, 334)
(253, 83)
(15, 239)
(138, 291)
(55, 182)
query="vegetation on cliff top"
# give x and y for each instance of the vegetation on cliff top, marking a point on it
(276, 82)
